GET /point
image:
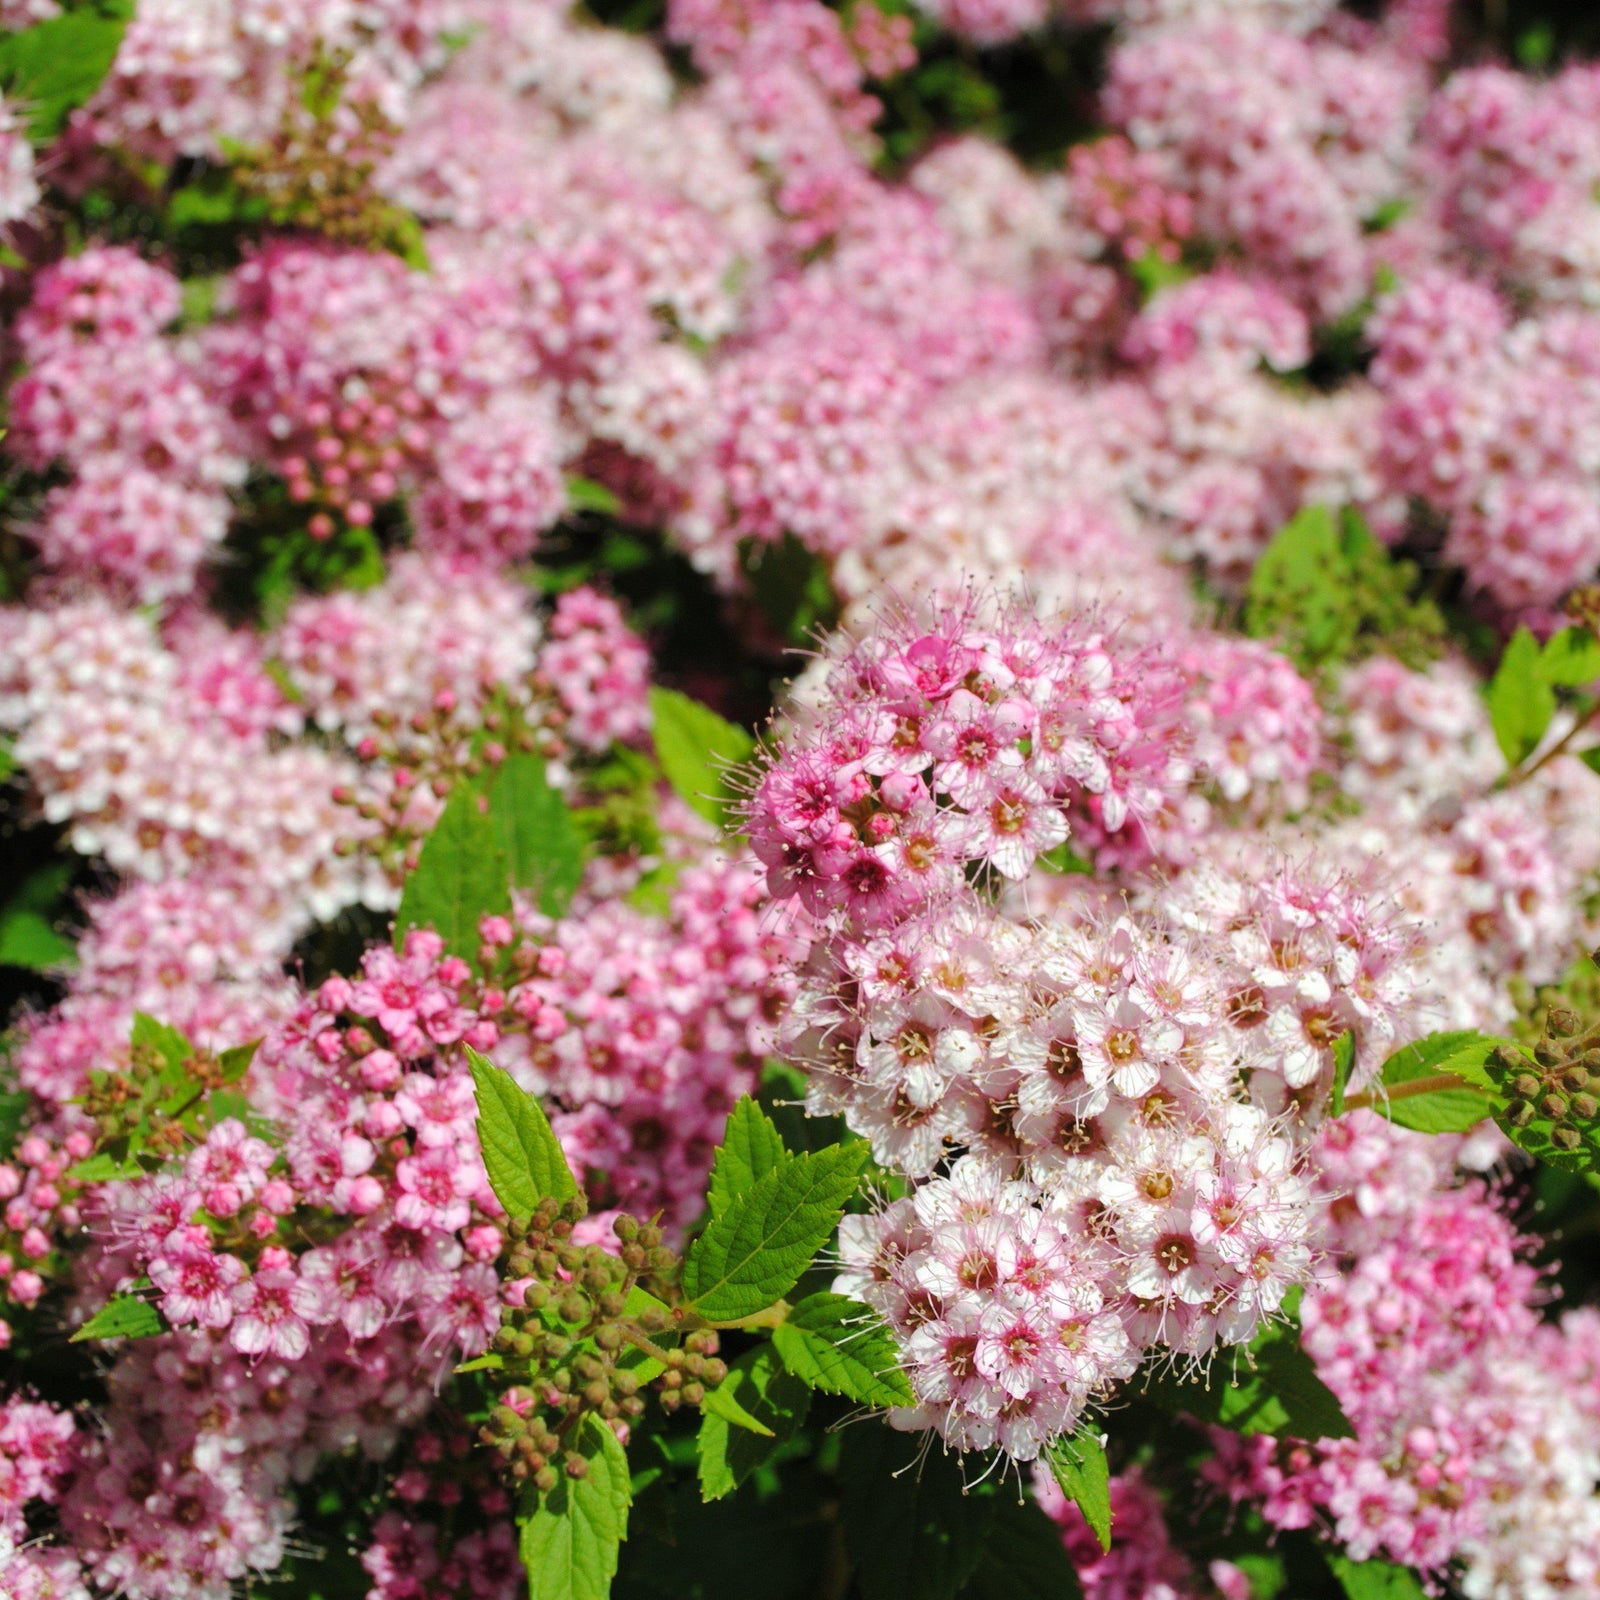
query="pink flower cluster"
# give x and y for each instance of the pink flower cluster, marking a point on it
(1121, 1189)
(1491, 424)
(156, 780)
(38, 1444)
(127, 408)
(294, 1341)
(1476, 1418)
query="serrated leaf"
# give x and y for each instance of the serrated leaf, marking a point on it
(1570, 659)
(542, 845)
(1081, 1469)
(765, 1393)
(462, 876)
(722, 1402)
(521, 1154)
(839, 1345)
(1375, 1580)
(52, 68)
(751, 1147)
(571, 1543)
(1344, 1055)
(697, 750)
(124, 1317)
(29, 940)
(1024, 1558)
(167, 1041)
(909, 1527)
(1447, 1109)
(1521, 701)
(754, 1252)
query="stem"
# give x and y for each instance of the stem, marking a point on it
(1522, 774)
(642, 1341)
(1405, 1091)
(772, 1317)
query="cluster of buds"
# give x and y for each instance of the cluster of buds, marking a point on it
(587, 1338)
(150, 1097)
(416, 763)
(316, 171)
(1558, 1084)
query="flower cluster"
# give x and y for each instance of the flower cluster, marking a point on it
(1433, 1342)
(1121, 1189)
(341, 333)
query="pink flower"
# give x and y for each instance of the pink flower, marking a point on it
(271, 1311)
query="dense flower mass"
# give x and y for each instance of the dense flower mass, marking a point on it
(1017, 579)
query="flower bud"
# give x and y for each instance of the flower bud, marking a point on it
(1562, 1022)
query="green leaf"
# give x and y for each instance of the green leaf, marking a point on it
(124, 1317)
(235, 1063)
(42, 890)
(730, 1450)
(214, 200)
(1024, 1558)
(28, 940)
(542, 845)
(14, 1104)
(909, 1526)
(1153, 274)
(1081, 1469)
(1570, 659)
(1521, 701)
(1526, 1122)
(585, 494)
(751, 1148)
(103, 1168)
(166, 1041)
(1344, 1055)
(837, 1344)
(1276, 1390)
(641, 1363)
(1299, 571)
(462, 876)
(1066, 860)
(1449, 1109)
(1326, 591)
(52, 68)
(697, 750)
(1375, 1580)
(792, 586)
(571, 1543)
(520, 1153)
(724, 1403)
(755, 1251)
